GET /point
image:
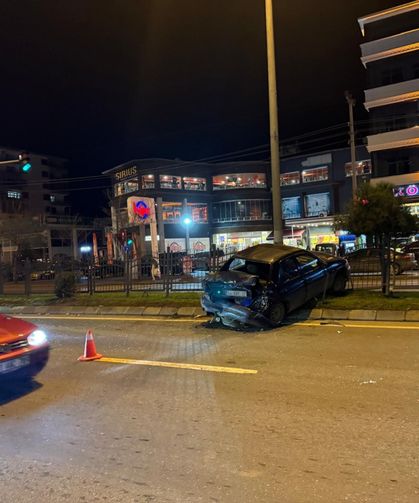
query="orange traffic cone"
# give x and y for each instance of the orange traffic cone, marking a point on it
(89, 349)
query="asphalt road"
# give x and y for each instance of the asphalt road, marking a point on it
(332, 415)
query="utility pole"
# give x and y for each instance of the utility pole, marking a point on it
(273, 124)
(351, 103)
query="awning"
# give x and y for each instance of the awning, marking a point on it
(287, 234)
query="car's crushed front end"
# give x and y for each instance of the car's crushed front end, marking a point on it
(235, 299)
(24, 349)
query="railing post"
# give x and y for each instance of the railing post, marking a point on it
(27, 277)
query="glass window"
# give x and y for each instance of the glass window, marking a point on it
(125, 187)
(147, 182)
(239, 181)
(194, 183)
(242, 211)
(291, 207)
(290, 178)
(248, 266)
(14, 194)
(172, 212)
(315, 174)
(170, 182)
(199, 212)
(362, 168)
(318, 205)
(307, 262)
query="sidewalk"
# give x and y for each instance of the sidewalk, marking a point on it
(197, 312)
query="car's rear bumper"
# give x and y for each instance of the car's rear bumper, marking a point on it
(25, 365)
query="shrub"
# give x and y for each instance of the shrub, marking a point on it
(65, 284)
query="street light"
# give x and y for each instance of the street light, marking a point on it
(187, 222)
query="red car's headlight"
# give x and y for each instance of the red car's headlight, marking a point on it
(37, 338)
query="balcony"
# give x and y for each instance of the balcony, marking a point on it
(394, 139)
(390, 46)
(394, 93)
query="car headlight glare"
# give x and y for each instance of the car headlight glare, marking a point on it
(37, 338)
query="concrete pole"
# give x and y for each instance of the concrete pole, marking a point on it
(273, 123)
(351, 103)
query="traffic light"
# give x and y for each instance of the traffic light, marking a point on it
(24, 163)
(130, 241)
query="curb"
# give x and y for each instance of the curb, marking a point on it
(194, 312)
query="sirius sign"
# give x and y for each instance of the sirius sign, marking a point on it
(411, 190)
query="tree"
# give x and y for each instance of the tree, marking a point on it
(378, 214)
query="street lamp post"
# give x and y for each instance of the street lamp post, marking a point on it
(273, 124)
(187, 222)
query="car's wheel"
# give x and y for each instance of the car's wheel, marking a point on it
(277, 313)
(339, 285)
(395, 269)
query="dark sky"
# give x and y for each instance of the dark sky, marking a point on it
(101, 81)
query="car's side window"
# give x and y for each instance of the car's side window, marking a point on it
(288, 269)
(307, 262)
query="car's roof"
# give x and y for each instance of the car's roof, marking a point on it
(267, 253)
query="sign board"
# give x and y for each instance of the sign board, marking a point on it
(141, 210)
(8, 249)
(411, 190)
(125, 173)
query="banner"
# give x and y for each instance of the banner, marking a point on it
(141, 210)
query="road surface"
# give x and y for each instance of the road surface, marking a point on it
(332, 415)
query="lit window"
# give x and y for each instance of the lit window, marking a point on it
(14, 194)
(290, 178)
(318, 205)
(52, 199)
(147, 182)
(362, 168)
(194, 183)
(315, 174)
(125, 187)
(170, 182)
(239, 181)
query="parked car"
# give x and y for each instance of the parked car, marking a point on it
(330, 248)
(260, 285)
(412, 247)
(368, 260)
(24, 349)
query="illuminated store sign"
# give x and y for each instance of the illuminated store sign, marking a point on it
(411, 190)
(126, 173)
(140, 210)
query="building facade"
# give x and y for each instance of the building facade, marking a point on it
(229, 204)
(390, 55)
(39, 196)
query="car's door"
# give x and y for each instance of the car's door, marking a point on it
(314, 273)
(292, 288)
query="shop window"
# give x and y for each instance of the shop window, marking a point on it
(398, 166)
(194, 183)
(362, 168)
(318, 205)
(291, 207)
(125, 187)
(170, 182)
(315, 174)
(290, 178)
(147, 182)
(172, 212)
(239, 181)
(198, 212)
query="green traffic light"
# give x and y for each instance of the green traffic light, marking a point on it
(26, 167)
(130, 242)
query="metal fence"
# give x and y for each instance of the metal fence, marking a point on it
(171, 272)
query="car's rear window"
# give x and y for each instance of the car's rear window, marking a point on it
(256, 268)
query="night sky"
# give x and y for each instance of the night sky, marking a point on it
(101, 82)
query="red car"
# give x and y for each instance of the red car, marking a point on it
(24, 349)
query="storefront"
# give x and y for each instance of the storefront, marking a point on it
(231, 242)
